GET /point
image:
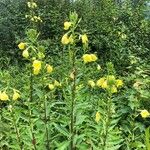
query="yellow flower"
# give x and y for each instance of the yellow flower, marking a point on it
(144, 113)
(25, 53)
(51, 86)
(104, 85)
(119, 83)
(34, 5)
(31, 4)
(113, 89)
(65, 40)
(87, 58)
(91, 83)
(71, 40)
(94, 57)
(16, 95)
(100, 82)
(3, 96)
(67, 25)
(36, 66)
(22, 46)
(49, 68)
(36, 71)
(84, 39)
(97, 117)
(57, 84)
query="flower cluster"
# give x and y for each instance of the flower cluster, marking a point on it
(32, 5)
(89, 58)
(109, 83)
(4, 96)
(68, 38)
(36, 19)
(22, 46)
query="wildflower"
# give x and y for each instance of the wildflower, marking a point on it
(84, 39)
(36, 66)
(100, 82)
(22, 45)
(119, 83)
(36, 19)
(113, 89)
(3, 96)
(71, 40)
(94, 57)
(97, 117)
(104, 85)
(65, 40)
(91, 83)
(36, 71)
(32, 5)
(25, 53)
(16, 95)
(144, 113)
(99, 67)
(49, 68)
(51, 86)
(57, 84)
(67, 25)
(87, 58)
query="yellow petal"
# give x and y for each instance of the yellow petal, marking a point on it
(22, 46)
(84, 39)
(144, 113)
(100, 82)
(97, 117)
(65, 39)
(91, 83)
(25, 54)
(49, 68)
(16, 95)
(51, 86)
(4, 96)
(67, 25)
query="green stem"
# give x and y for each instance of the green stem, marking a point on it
(17, 131)
(147, 138)
(46, 128)
(73, 102)
(107, 121)
(30, 110)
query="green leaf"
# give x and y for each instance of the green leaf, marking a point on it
(62, 130)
